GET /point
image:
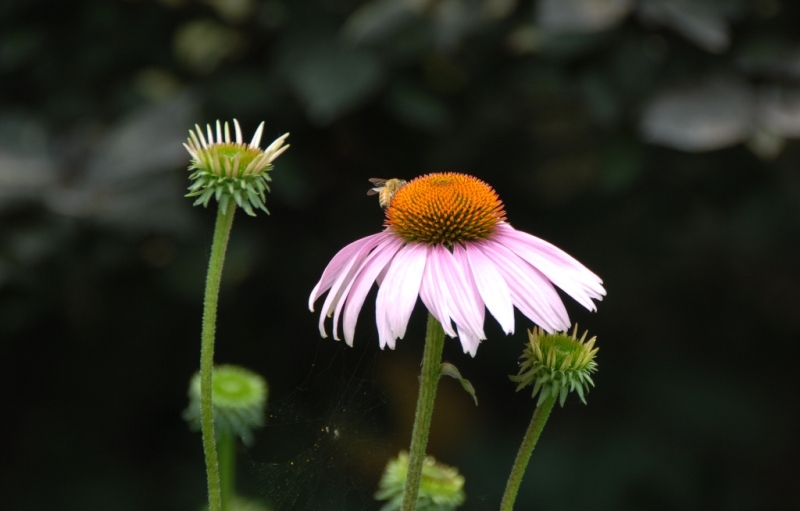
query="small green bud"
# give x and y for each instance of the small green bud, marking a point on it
(441, 489)
(556, 364)
(231, 170)
(238, 398)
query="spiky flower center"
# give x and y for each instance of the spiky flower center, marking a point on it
(445, 208)
(228, 154)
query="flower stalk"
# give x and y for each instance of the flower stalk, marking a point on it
(236, 174)
(226, 446)
(554, 365)
(222, 231)
(429, 380)
(535, 428)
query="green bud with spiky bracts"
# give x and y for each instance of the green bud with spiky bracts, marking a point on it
(442, 487)
(238, 397)
(557, 364)
(228, 169)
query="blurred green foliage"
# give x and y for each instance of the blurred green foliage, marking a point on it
(655, 140)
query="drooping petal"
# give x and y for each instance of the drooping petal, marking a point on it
(399, 290)
(562, 269)
(336, 264)
(491, 286)
(377, 260)
(341, 284)
(385, 337)
(466, 308)
(468, 343)
(381, 276)
(449, 294)
(435, 293)
(531, 292)
(389, 290)
(363, 267)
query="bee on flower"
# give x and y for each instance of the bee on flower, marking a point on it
(385, 189)
(447, 242)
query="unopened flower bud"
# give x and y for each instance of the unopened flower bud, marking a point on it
(556, 364)
(238, 397)
(228, 169)
(442, 487)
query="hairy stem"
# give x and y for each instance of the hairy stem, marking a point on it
(222, 231)
(525, 450)
(428, 381)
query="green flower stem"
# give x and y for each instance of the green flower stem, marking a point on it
(429, 379)
(525, 450)
(227, 468)
(222, 231)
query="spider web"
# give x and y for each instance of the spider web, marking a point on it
(326, 445)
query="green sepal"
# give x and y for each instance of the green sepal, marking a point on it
(248, 191)
(205, 196)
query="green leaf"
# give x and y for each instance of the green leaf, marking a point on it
(449, 369)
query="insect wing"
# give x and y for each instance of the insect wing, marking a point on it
(379, 184)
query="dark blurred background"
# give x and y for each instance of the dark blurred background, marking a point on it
(654, 140)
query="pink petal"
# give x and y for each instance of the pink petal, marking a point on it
(468, 343)
(466, 308)
(531, 292)
(381, 276)
(337, 263)
(398, 292)
(435, 293)
(342, 283)
(562, 269)
(356, 271)
(491, 286)
(362, 283)
(385, 337)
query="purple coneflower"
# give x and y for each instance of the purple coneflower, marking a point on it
(448, 242)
